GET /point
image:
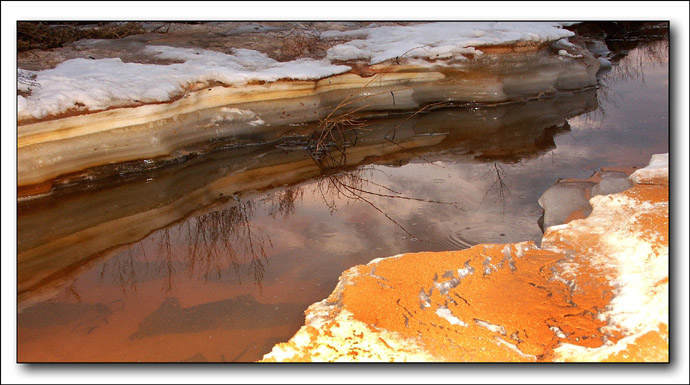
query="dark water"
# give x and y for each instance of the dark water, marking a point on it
(216, 259)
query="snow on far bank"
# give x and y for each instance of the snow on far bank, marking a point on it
(98, 84)
(443, 40)
(93, 85)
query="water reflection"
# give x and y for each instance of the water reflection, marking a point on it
(631, 71)
(283, 202)
(213, 246)
(632, 52)
(226, 245)
(83, 318)
(499, 185)
(73, 227)
(242, 312)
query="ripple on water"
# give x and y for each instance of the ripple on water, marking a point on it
(478, 233)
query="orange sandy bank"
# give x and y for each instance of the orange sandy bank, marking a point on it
(596, 290)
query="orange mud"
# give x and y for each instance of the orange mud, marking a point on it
(510, 313)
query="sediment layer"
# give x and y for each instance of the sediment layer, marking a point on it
(596, 290)
(79, 140)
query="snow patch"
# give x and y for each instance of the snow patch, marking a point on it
(657, 168)
(640, 263)
(562, 52)
(94, 85)
(446, 314)
(491, 327)
(444, 40)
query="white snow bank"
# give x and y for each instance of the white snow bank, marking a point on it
(657, 168)
(438, 40)
(93, 85)
(641, 263)
(99, 84)
(641, 301)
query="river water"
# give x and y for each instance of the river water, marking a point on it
(203, 270)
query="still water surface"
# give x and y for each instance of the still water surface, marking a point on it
(228, 271)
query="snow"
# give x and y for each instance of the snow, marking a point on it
(657, 168)
(445, 313)
(562, 52)
(99, 84)
(438, 40)
(93, 85)
(641, 302)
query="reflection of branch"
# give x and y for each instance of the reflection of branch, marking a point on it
(503, 190)
(283, 202)
(214, 241)
(123, 270)
(400, 196)
(350, 185)
(215, 236)
(338, 184)
(625, 69)
(165, 249)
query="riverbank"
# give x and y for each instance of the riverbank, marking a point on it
(146, 98)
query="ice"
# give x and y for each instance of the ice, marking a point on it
(612, 183)
(563, 199)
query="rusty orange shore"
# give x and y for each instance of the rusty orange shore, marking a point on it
(596, 290)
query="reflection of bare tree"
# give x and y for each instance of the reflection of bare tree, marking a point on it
(628, 67)
(165, 251)
(353, 186)
(654, 53)
(122, 268)
(221, 238)
(499, 183)
(283, 202)
(208, 245)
